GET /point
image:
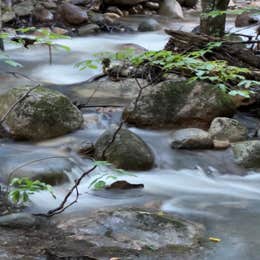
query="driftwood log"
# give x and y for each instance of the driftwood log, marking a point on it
(234, 52)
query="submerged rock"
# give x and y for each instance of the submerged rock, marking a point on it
(123, 185)
(18, 220)
(43, 114)
(149, 25)
(224, 128)
(128, 151)
(127, 232)
(191, 138)
(36, 163)
(247, 153)
(179, 104)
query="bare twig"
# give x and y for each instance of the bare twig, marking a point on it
(63, 205)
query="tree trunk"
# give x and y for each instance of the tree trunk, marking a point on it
(1, 40)
(214, 26)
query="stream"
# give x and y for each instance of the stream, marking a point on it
(204, 186)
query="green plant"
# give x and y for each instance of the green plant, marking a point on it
(47, 38)
(23, 188)
(124, 56)
(239, 11)
(231, 79)
(101, 181)
(44, 37)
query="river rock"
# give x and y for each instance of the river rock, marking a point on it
(149, 25)
(8, 16)
(42, 15)
(224, 128)
(88, 29)
(246, 19)
(123, 2)
(116, 10)
(23, 8)
(73, 14)
(126, 233)
(128, 151)
(179, 104)
(171, 8)
(152, 5)
(191, 138)
(18, 220)
(44, 114)
(247, 153)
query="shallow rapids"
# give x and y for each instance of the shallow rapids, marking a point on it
(206, 186)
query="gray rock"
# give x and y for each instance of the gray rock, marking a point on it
(8, 16)
(96, 18)
(247, 153)
(43, 114)
(127, 232)
(18, 220)
(42, 15)
(128, 151)
(171, 8)
(73, 14)
(149, 25)
(191, 138)
(24, 8)
(88, 29)
(179, 104)
(152, 5)
(123, 2)
(246, 19)
(116, 10)
(224, 128)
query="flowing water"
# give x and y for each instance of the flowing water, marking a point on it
(206, 186)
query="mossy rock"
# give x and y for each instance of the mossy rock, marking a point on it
(179, 104)
(128, 151)
(131, 232)
(42, 115)
(247, 154)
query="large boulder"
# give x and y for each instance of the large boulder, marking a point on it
(171, 8)
(191, 138)
(72, 14)
(179, 104)
(128, 233)
(43, 114)
(127, 151)
(224, 128)
(247, 153)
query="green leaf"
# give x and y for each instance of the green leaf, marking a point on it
(243, 93)
(13, 63)
(99, 185)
